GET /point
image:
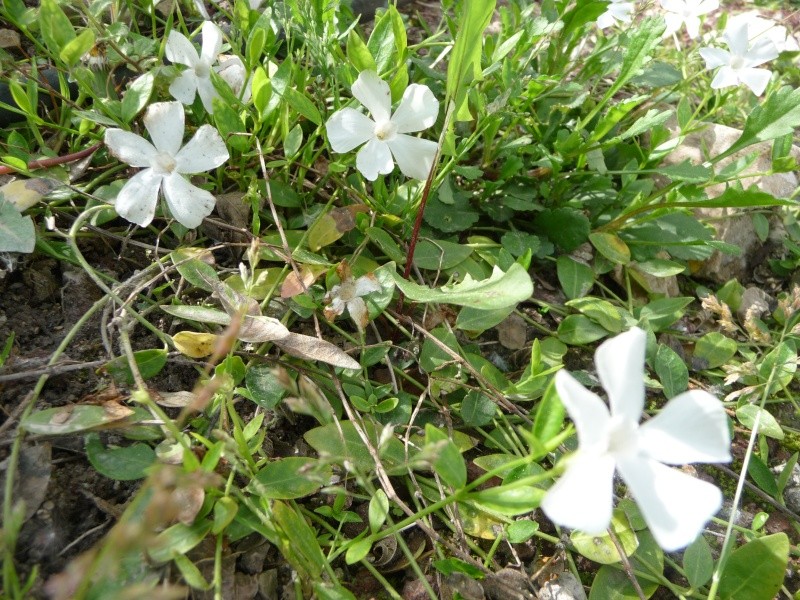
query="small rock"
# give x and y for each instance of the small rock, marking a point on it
(508, 584)
(463, 585)
(794, 478)
(756, 300)
(512, 332)
(564, 587)
(792, 498)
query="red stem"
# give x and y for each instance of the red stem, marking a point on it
(46, 163)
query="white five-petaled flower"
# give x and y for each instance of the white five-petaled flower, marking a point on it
(759, 28)
(197, 78)
(739, 65)
(692, 427)
(166, 164)
(618, 10)
(348, 294)
(385, 135)
(679, 12)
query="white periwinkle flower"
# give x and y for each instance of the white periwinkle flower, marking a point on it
(166, 164)
(689, 12)
(739, 65)
(197, 78)
(348, 294)
(385, 135)
(618, 10)
(759, 28)
(692, 427)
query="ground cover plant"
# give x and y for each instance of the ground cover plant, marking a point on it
(459, 301)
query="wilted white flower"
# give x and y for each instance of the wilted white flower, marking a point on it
(692, 427)
(385, 135)
(348, 294)
(617, 11)
(689, 12)
(739, 65)
(197, 78)
(166, 163)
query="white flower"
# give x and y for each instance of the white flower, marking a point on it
(197, 78)
(348, 294)
(166, 163)
(679, 12)
(692, 427)
(759, 28)
(618, 10)
(738, 65)
(385, 135)
(234, 73)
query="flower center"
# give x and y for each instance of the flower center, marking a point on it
(385, 131)
(163, 163)
(737, 62)
(202, 69)
(347, 290)
(623, 437)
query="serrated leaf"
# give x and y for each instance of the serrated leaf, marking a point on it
(498, 291)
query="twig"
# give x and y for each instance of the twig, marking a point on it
(626, 564)
(45, 163)
(56, 369)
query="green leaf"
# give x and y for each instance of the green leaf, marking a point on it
(378, 510)
(756, 570)
(358, 53)
(124, 463)
(149, 362)
(660, 314)
(299, 543)
(759, 471)
(687, 171)
(190, 573)
(477, 409)
(387, 244)
(56, 28)
(301, 104)
(713, 350)
(200, 314)
(71, 53)
(357, 551)
(225, 510)
(613, 584)
(576, 278)
(660, 267)
(776, 116)
(671, 371)
(290, 478)
(381, 44)
(348, 446)
(439, 254)
(65, 420)
(197, 272)
(178, 539)
(521, 531)
(782, 361)
(577, 330)
(498, 291)
(448, 464)
(509, 500)
(601, 548)
(767, 424)
(698, 563)
(448, 566)
(137, 95)
(476, 320)
(549, 416)
(566, 227)
(263, 386)
(465, 59)
(599, 311)
(612, 247)
(17, 233)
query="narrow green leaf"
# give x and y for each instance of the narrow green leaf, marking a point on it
(698, 563)
(449, 464)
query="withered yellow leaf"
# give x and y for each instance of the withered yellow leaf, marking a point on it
(194, 344)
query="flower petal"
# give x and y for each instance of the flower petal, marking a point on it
(620, 366)
(137, 199)
(348, 128)
(180, 50)
(184, 87)
(373, 159)
(762, 51)
(606, 20)
(233, 72)
(413, 155)
(358, 312)
(366, 284)
(212, 42)
(188, 203)
(417, 110)
(374, 93)
(205, 151)
(674, 23)
(756, 79)
(164, 122)
(582, 496)
(715, 57)
(692, 427)
(706, 6)
(129, 147)
(586, 409)
(676, 506)
(736, 36)
(207, 93)
(725, 77)
(673, 6)
(693, 26)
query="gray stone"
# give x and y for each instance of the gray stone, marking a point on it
(564, 587)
